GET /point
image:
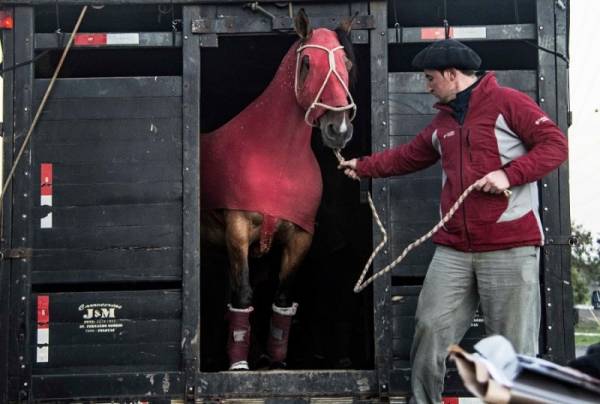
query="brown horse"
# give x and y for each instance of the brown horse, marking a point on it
(260, 181)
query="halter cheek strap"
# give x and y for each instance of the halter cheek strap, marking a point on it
(332, 70)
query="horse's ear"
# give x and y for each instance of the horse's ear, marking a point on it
(346, 25)
(302, 24)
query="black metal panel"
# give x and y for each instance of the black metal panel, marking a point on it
(287, 383)
(190, 324)
(115, 385)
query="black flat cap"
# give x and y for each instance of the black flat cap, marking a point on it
(445, 54)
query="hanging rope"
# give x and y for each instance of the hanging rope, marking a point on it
(360, 284)
(41, 107)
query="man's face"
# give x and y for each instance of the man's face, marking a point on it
(441, 84)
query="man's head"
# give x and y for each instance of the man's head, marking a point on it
(449, 67)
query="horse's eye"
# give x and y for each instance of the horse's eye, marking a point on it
(304, 68)
(348, 63)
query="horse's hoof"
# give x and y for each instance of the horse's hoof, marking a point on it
(241, 365)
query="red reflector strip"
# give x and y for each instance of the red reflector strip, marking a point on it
(46, 177)
(6, 21)
(434, 33)
(90, 39)
(43, 313)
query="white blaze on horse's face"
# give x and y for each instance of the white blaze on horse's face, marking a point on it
(321, 86)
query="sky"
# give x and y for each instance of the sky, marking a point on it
(584, 133)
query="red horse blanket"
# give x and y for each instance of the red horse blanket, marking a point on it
(261, 160)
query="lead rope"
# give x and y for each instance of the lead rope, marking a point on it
(360, 285)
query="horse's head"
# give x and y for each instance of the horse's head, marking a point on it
(323, 75)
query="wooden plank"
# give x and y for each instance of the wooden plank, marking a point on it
(412, 103)
(110, 237)
(116, 193)
(112, 108)
(113, 152)
(408, 125)
(163, 356)
(81, 131)
(107, 265)
(67, 307)
(110, 87)
(112, 384)
(414, 82)
(67, 217)
(115, 173)
(416, 189)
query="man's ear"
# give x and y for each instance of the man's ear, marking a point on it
(302, 24)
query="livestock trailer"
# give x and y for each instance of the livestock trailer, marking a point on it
(106, 295)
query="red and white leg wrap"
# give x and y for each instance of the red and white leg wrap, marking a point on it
(238, 337)
(279, 335)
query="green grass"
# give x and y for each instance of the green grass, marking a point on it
(586, 340)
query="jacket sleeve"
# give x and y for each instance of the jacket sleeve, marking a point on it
(418, 154)
(545, 143)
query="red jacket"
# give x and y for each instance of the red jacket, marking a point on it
(503, 129)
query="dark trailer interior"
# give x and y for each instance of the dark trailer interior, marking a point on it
(133, 307)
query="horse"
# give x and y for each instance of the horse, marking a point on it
(261, 183)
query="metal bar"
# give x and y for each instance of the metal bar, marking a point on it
(122, 2)
(6, 229)
(20, 360)
(380, 141)
(552, 320)
(504, 32)
(191, 200)
(287, 383)
(143, 39)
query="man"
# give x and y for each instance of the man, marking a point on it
(488, 252)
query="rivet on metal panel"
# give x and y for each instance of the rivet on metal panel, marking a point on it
(20, 358)
(384, 123)
(546, 229)
(549, 304)
(541, 78)
(383, 102)
(546, 208)
(383, 145)
(383, 189)
(549, 349)
(382, 33)
(545, 185)
(24, 216)
(541, 27)
(385, 252)
(185, 37)
(23, 298)
(548, 289)
(23, 239)
(26, 109)
(549, 327)
(26, 173)
(542, 100)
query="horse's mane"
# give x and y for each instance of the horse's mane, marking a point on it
(346, 42)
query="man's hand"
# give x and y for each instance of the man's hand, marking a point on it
(495, 182)
(349, 167)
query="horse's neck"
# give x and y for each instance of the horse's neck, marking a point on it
(275, 115)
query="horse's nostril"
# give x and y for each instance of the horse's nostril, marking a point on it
(331, 129)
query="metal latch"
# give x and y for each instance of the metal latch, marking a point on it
(15, 253)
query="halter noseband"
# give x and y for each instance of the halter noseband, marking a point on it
(316, 102)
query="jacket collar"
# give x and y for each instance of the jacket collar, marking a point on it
(483, 86)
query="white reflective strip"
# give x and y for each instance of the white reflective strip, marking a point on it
(42, 354)
(43, 336)
(469, 32)
(123, 39)
(46, 200)
(46, 222)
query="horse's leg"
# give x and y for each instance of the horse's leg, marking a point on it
(238, 231)
(296, 246)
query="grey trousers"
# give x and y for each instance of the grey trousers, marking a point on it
(505, 282)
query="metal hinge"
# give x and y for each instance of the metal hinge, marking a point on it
(15, 253)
